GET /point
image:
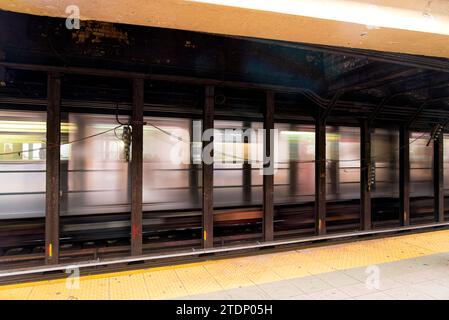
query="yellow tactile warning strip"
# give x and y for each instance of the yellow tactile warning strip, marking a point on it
(216, 275)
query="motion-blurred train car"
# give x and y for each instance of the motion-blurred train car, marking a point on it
(95, 181)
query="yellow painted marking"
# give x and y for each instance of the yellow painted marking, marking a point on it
(50, 250)
(215, 275)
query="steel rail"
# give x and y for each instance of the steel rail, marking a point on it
(196, 252)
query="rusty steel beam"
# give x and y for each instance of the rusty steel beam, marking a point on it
(309, 94)
(366, 167)
(53, 168)
(208, 171)
(137, 166)
(404, 175)
(158, 77)
(438, 178)
(379, 108)
(421, 108)
(387, 98)
(268, 176)
(357, 84)
(332, 103)
(320, 176)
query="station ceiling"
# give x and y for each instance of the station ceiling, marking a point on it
(98, 60)
(404, 26)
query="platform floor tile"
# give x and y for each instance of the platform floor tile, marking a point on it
(228, 276)
(86, 289)
(197, 280)
(164, 284)
(409, 267)
(16, 293)
(128, 287)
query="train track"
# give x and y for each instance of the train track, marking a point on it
(294, 225)
(27, 274)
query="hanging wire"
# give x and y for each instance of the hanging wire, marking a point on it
(57, 145)
(304, 161)
(123, 138)
(436, 132)
(168, 133)
(48, 146)
(126, 137)
(116, 116)
(377, 156)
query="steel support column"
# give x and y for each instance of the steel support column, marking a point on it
(247, 171)
(136, 166)
(404, 175)
(193, 169)
(268, 174)
(53, 168)
(208, 171)
(320, 176)
(293, 150)
(366, 167)
(64, 169)
(438, 178)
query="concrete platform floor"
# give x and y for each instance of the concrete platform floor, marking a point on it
(403, 267)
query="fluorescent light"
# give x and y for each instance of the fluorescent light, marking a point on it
(360, 12)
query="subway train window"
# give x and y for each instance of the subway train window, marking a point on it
(256, 166)
(282, 156)
(237, 181)
(22, 172)
(343, 164)
(295, 182)
(343, 178)
(446, 173)
(94, 173)
(166, 165)
(229, 157)
(237, 163)
(171, 182)
(294, 188)
(421, 178)
(94, 181)
(385, 180)
(22, 164)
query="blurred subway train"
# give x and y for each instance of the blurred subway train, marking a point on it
(95, 181)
